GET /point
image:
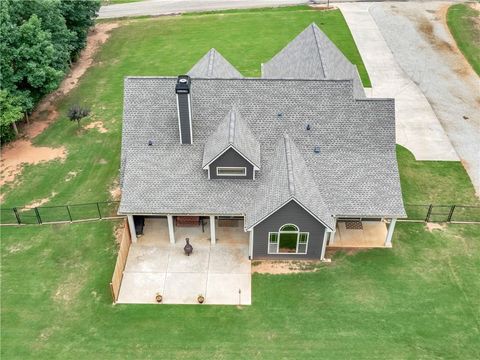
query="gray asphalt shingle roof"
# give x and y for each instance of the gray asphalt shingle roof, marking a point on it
(290, 179)
(232, 132)
(214, 65)
(355, 171)
(311, 55)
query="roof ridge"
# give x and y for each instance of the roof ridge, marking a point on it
(322, 62)
(288, 156)
(211, 60)
(231, 127)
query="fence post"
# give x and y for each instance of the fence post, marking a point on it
(450, 214)
(39, 219)
(99, 212)
(69, 214)
(428, 213)
(15, 211)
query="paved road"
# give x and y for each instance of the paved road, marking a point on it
(418, 127)
(161, 7)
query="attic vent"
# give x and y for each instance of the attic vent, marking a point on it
(150, 142)
(279, 115)
(308, 127)
(316, 149)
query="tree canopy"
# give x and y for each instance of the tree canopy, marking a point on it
(38, 40)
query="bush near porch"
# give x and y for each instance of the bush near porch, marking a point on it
(416, 300)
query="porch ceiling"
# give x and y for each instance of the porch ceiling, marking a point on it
(372, 234)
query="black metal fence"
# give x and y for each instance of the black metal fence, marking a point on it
(443, 213)
(59, 214)
(108, 210)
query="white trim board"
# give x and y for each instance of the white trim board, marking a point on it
(231, 146)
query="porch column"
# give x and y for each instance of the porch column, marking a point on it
(131, 227)
(332, 237)
(250, 245)
(324, 244)
(391, 227)
(171, 231)
(213, 234)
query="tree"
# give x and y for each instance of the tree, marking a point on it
(10, 112)
(77, 113)
(79, 17)
(38, 39)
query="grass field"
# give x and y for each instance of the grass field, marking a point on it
(463, 23)
(418, 300)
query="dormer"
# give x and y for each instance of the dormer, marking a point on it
(232, 151)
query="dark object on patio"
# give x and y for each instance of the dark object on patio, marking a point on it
(158, 298)
(187, 221)
(200, 299)
(188, 248)
(139, 222)
(353, 225)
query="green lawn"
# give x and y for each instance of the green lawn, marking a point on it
(463, 23)
(417, 300)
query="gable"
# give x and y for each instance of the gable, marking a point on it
(291, 213)
(231, 158)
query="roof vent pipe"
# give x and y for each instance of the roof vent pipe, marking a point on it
(184, 108)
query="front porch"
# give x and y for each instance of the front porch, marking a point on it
(219, 269)
(362, 233)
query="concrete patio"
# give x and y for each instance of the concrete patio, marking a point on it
(372, 235)
(216, 271)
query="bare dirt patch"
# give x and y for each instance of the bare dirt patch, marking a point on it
(426, 28)
(71, 175)
(435, 226)
(321, 7)
(97, 125)
(115, 191)
(68, 290)
(283, 267)
(21, 152)
(19, 247)
(462, 68)
(40, 202)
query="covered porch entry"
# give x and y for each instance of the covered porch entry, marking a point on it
(362, 233)
(218, 269)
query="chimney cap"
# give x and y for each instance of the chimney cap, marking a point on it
(183, 84)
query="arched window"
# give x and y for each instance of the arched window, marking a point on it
(288, 240)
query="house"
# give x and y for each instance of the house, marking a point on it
(294, 159)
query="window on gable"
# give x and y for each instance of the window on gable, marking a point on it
(231, 171)
(288, 240)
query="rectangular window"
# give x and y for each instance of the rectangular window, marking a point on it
(272, 243)
(231, 171)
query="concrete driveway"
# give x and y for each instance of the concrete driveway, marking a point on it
(216, 271)
(425, 50)
(418, 128)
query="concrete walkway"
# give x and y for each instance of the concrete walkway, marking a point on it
(418, 128)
